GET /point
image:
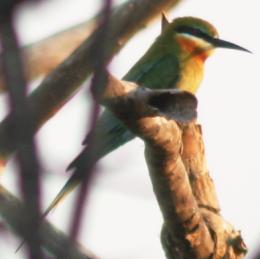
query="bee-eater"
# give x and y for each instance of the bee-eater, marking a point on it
(175, 60)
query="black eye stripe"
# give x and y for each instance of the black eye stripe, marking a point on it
(194, 32)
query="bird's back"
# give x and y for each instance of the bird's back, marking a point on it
(156, 71)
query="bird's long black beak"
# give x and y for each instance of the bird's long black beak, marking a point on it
(225, 44)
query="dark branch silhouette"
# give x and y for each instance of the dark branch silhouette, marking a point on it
(53, 240)
(20, 129)
(61, 84)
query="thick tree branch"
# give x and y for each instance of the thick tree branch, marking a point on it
(193, 226)
(43, 56)
(54, 241)
(62, 83)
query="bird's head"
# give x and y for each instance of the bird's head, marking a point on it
(196, 37)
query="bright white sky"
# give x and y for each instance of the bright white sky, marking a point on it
(123, 219)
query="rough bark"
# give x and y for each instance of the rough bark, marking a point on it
(174, 149)
(193, 226)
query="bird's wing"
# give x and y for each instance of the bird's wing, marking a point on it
(110, 134)
(110, 131)
(161, 72)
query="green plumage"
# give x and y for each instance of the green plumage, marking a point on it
(158, 68)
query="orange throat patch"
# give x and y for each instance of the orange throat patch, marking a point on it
(191, 48)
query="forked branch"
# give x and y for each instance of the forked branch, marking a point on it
(165, 119)
(174, 150)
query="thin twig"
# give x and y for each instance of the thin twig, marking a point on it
(97, 83)
(53, 240)
(21, 132)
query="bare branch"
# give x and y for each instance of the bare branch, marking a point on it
(43, 56)
(62, 83)
(20, 129)
(99, 72)
(54, 241)
(193, 227)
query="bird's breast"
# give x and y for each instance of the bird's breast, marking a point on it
(191, 74)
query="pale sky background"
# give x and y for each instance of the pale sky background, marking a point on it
(123, 219)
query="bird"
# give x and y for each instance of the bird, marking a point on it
(175, 60)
